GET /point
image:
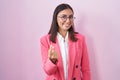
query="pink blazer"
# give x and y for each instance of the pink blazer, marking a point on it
(78, 64)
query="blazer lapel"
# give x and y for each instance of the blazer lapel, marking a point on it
(60, 63)
(72, 53)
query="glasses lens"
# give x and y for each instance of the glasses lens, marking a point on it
(64, 17)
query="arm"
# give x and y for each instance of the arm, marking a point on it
(49, 67)
(85, 62)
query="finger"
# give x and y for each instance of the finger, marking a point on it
(56, 55)
(50, 49)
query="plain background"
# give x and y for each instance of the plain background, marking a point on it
(23, 22)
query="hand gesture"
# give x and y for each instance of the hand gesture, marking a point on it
(52, 54)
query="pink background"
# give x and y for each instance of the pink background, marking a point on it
(23, 22)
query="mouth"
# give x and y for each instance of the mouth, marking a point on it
(67, 25)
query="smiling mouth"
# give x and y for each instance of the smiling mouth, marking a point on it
(67, 25)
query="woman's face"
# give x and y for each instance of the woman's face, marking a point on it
(65, 19)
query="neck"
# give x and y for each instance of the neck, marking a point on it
(63, 33)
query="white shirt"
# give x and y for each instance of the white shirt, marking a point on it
(63, 44)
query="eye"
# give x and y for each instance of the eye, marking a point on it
(64, 16)
(71, 17)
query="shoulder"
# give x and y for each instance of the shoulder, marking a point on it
(79, 36)
(44, 38)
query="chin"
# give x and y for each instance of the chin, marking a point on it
(66, 29)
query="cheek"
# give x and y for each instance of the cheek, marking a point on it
(60, 23)
(72, 22)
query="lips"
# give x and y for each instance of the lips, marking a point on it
(67, 26)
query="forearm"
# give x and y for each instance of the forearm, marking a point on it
(49, 67)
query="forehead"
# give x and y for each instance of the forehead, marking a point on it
(66, 12)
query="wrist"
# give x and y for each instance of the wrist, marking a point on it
(54, 60)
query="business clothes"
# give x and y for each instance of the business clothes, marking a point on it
(78, 62)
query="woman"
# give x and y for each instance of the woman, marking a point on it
(64, 53)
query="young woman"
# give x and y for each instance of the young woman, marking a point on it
(64, 52)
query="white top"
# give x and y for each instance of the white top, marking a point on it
(63, 44)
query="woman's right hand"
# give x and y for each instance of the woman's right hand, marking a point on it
(52, 54)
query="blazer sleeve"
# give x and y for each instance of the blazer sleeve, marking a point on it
(85, 62)
(49, 67)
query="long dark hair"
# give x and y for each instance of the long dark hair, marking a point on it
(54, 26)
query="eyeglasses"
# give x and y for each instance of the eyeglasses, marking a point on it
(64, 17)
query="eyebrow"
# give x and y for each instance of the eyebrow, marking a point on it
(67, 15)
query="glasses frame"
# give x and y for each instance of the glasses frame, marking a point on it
(65, 18)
